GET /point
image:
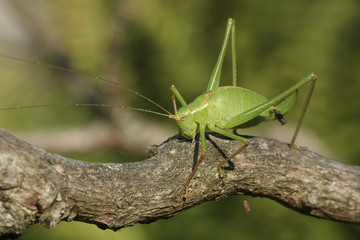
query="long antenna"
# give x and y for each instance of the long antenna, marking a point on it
(86, 105)
(86, 75)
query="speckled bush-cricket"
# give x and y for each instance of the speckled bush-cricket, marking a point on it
(232, 107)
(218, 108)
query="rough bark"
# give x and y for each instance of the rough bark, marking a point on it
(39, 186)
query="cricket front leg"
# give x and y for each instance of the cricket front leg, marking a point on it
(186, 194)
(203, 151)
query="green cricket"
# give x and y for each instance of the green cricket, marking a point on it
(232, 107)
(218, 108)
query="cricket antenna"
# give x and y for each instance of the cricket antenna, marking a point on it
(87, 105)
(86, 75)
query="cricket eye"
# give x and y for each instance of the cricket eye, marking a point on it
(183, 117)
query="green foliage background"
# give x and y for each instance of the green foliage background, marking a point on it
(149, 45)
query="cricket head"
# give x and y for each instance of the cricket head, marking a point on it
(185, 120)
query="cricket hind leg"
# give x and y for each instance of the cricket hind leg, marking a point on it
(279, 100)
(235, 137)
(303, 111)
(233, 54)
(214, 81)
(282, 108)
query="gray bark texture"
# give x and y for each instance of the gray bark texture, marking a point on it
(39, 186)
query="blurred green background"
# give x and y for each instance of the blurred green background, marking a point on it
(149, 45)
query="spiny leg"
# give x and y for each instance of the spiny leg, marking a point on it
(233, 53)
(215, 76)
(233, 136)
(203, 151)
(242, 148)
(186, 194)
(303, 111)
(257, 110)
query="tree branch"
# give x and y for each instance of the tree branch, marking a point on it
(39, 186)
